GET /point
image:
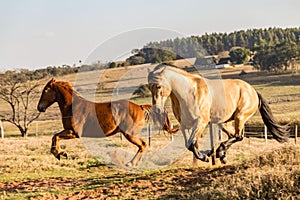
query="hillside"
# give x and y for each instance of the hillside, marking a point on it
(281, 90)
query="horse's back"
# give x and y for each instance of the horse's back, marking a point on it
(242, 90)
(245, 96)
(232, 96)
(121, 113)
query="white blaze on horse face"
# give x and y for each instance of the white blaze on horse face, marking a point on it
(159, 96)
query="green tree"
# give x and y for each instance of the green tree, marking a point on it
(135, 60)
(277, 57)
(112, 65)
(239, 55)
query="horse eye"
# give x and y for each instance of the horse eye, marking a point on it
(46, 90)
(158, 86)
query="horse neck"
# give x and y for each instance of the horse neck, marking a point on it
(178, 84)
(65, 100)
(175, 106)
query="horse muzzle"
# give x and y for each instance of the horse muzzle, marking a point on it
(157, 110)
(41, 108)
(158, 115)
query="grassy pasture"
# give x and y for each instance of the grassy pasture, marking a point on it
(255, 170)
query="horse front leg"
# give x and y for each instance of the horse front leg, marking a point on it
(192, 143)
(55, 148)
(185, 133)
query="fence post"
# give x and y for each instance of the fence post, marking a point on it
(36, 128)
(212, 145)
(266, 133)
(1, 129)
(296, 133)
(220, 131)
(149, 134)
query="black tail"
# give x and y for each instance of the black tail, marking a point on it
(280, 132)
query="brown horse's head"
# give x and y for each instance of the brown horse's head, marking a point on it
(48, 96)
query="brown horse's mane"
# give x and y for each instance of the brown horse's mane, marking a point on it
(67, 87)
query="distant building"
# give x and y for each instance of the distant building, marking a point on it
(223, 63)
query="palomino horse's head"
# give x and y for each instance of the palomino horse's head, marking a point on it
(48, 96)
(159, 86)
(160, 90)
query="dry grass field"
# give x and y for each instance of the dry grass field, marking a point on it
(255, 169)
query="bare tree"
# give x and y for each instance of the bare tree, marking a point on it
(20, 97)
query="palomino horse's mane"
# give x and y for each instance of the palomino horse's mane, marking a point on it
(160, 70)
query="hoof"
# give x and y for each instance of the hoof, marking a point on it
(221, 154)
(223, 160)
(205, 159)
(129, 165)
(198, 154)
(210, 153)
(221, 151)
(64, 154)
(201, 157)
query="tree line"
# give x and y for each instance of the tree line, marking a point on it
(267, 47)
(23, 75)
(250, 39)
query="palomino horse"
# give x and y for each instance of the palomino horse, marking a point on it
(81, 117)
(197, 101)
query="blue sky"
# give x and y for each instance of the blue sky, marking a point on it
(39, 33)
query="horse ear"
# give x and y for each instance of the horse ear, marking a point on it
(51, 82)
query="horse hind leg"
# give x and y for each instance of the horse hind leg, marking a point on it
(235, 134)
(141, 144)
(227, 128)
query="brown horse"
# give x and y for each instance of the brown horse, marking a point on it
(197, 101)
(83, 118)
